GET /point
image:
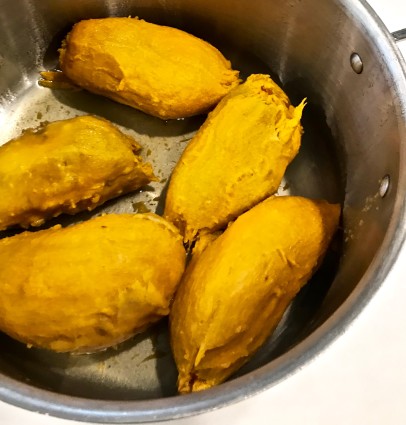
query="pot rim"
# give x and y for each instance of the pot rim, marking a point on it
(105, 411)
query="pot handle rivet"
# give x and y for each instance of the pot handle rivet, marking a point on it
(356, 63)
(384, 185)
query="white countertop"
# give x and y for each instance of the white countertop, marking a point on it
(360, 379)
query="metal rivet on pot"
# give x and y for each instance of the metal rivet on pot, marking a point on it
(384, 186)
(356, 63)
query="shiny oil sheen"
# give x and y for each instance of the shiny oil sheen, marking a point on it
(335, 53)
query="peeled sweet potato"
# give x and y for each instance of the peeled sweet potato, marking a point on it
(91, 285)
(236, 159)
(234, 293)
(66, 167)
(160, 70)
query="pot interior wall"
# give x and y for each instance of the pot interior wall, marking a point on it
(351, 142)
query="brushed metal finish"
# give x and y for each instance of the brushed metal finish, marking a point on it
(354, 145)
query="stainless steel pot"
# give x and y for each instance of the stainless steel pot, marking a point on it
(336, 53)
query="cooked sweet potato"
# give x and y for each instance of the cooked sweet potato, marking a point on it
(91, 285)
(234, 293)
(236, 159)
(66, 167)
(160, 70)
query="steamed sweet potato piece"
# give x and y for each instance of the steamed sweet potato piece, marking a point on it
(66, 167)
(160, 70)
(91, 285)
(234, 293)
(236, 159)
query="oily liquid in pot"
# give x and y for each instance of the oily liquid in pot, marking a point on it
(142, 367)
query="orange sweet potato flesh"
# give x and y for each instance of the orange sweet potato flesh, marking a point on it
(91, 285)
(65, 167)
(234, 293)
(160, 70)
(236, 159)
